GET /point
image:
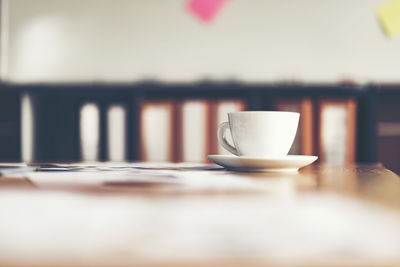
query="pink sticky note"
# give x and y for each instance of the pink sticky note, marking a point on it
(205, 9)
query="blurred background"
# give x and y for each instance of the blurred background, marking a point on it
(150, 80)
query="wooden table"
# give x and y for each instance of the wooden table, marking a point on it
(323, 215)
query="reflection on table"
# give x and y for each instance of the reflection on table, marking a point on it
(185, 214)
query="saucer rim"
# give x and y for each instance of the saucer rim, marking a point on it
(262, 158)
(250, 164)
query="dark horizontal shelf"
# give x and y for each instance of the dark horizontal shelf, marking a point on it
(205, 88)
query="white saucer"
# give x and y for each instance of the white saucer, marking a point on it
(290, 163)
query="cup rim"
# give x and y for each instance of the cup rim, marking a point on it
(264, 112)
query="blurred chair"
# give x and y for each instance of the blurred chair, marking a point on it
(167, 122)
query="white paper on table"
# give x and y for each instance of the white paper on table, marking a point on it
(98, 178)
(187, 181)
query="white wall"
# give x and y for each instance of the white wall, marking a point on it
(251, 40)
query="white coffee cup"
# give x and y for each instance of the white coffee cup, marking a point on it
(267, 134)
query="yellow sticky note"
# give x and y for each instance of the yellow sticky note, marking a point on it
(389, 16)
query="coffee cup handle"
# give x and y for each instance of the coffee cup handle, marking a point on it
(221, 134)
